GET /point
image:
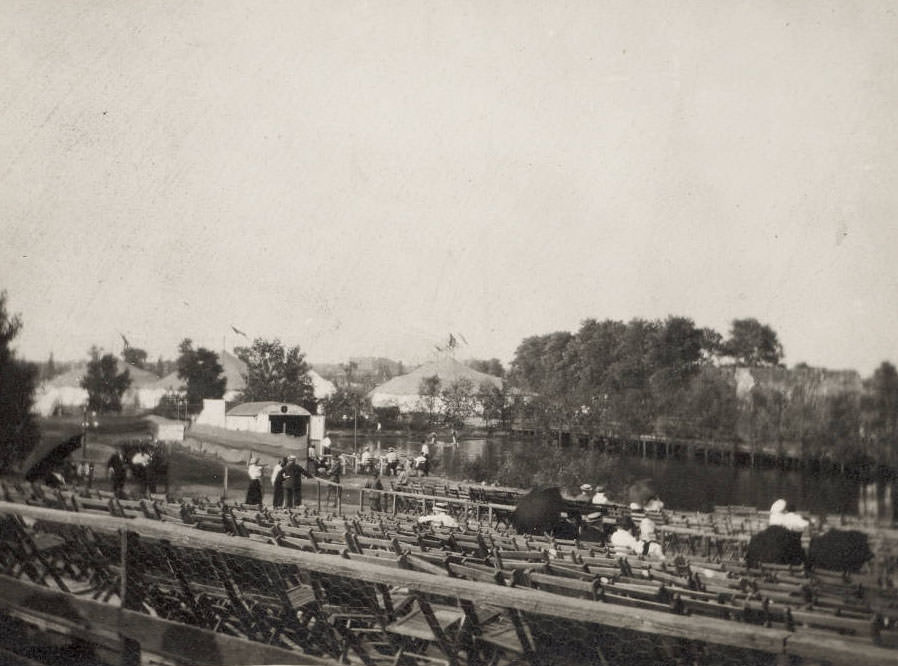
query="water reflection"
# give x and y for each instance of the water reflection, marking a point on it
(684, 484)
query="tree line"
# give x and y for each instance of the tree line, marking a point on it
(669, 378)
(663, 377)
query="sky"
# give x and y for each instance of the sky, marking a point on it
(364, 178)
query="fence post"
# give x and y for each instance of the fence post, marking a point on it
(130, 655)
(340, 500)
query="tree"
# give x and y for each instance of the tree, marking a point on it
(276, 373)
(429, 389)
(19, 432)
(752, 343)
(880, 410)
(710, 407)
(349, 372)
(49, 371)
(346, 404)
(202, 372)
(459, 400)
(492, 366)
(883, 392)
(105, 385)
(135, 356)
(494, 404)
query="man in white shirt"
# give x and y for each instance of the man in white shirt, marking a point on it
(366, 460)
(600, 497)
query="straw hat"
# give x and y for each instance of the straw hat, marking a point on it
(585, 487)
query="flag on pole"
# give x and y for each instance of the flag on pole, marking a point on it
(125, 340)
(238, 331)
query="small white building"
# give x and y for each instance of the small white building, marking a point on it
(166, 430)
(269, 417)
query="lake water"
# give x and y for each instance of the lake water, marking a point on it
(681, 484)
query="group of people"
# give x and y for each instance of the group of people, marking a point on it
(392, 465)
(147, 465)
(286, 478)
(642, 540)
(592, 495)
(597, 495)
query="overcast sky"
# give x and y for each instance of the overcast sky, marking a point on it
(365, 178)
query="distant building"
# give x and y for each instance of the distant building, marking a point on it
(404, 391)
(234, 372)
(321, 386)
(63, 393)
(269, 417)
(166, 430)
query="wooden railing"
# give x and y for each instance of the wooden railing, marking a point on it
(95, 621)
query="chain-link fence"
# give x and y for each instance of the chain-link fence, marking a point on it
(305, 591)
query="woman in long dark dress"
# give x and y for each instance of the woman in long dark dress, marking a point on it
(277, 482)
(254, 492)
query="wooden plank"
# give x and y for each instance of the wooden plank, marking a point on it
(12, 659)
(710, 630)
(833, 649)
(101, 623)
(192, 645)
(52, 610)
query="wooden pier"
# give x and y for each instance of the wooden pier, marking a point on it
(787, 455)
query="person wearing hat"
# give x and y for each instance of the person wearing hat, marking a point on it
(367, 461)
(254, 492)
(440, 516)
(585, 494)
(293, 473)
(392, 460)
(599, 497)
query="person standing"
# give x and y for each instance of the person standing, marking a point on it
(254, 492)
(367, 461)
(334, 473)
(277, 482)
(425, 453)
(293, 473)
(374, 498)
(392, 461)
(139, 463)
(116, 472)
